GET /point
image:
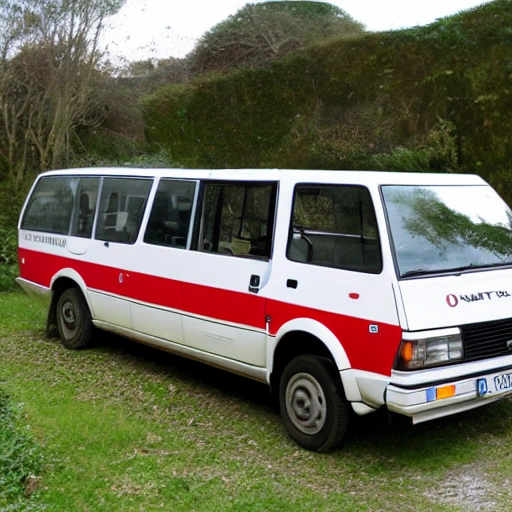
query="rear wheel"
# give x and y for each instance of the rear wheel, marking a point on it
(74, 319)
(312, 404)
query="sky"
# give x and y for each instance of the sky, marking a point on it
(158, 29)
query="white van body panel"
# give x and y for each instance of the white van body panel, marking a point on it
(447, 301)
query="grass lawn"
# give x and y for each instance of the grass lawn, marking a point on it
(123, 427)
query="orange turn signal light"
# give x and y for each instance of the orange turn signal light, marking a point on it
(406, 352)
(445, 392)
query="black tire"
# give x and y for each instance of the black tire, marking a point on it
(313, 408)
(74, 319)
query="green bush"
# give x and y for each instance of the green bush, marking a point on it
(154, 158)
(11, 198)
(501, 180)
(20, 461)
(8, 245)
(116, 151)
(8, 273)
(101, 148)
(8, 258)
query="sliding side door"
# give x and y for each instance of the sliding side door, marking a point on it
(226, 273)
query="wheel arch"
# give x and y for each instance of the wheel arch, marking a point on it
(303, 336)
(63, 280)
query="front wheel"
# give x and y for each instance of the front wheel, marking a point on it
(313, 408)
(74, 319)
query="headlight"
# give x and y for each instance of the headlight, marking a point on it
(420, 350)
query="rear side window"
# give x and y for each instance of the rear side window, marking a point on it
(169, 221)
(51, 205)
(238, 218)
(335, 226)
(121, 209)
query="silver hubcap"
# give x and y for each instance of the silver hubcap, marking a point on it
(305, 403)
(68, 316)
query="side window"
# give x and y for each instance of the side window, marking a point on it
(85, 207)
(121, 208)
(238, 218)
(335, 226)
(51, 205)
(169, 220)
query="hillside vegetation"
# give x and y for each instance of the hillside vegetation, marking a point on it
(261, 32)
(433, 98)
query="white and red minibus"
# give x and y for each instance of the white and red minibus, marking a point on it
(344, 291)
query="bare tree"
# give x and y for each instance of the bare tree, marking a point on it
(48, 72)
(13, 28)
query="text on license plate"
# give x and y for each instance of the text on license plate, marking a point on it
(503, 381)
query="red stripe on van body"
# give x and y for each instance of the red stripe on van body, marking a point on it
(241, 308)
(366, 350)
(40, 268)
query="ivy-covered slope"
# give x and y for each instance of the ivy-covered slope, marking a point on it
(429, 98)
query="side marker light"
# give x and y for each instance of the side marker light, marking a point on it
(445, 392)
(440, 393)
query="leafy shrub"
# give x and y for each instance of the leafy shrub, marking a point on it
(8, 258)
(20, 461)
(154, 157)
(11, 197)
(103, 148)
(438, 153)
(501, 180)
(8, 244)
(8, 273)
(403, 159)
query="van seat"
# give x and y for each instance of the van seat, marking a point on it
(337, 251)
(358, 254)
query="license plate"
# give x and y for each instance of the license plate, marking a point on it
(503, 381)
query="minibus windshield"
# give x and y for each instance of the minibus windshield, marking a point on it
(438, 229)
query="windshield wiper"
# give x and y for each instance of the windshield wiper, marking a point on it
(418, 272)
(453, 270)
(494, 265)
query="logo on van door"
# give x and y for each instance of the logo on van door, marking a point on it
(45, 239)
(454, 300)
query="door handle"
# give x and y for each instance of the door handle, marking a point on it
(292, 283)
(254, 284)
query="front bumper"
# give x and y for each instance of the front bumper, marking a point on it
(419, 395)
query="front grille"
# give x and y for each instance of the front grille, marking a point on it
(487, 339)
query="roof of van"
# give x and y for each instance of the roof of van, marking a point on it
(305, 176)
